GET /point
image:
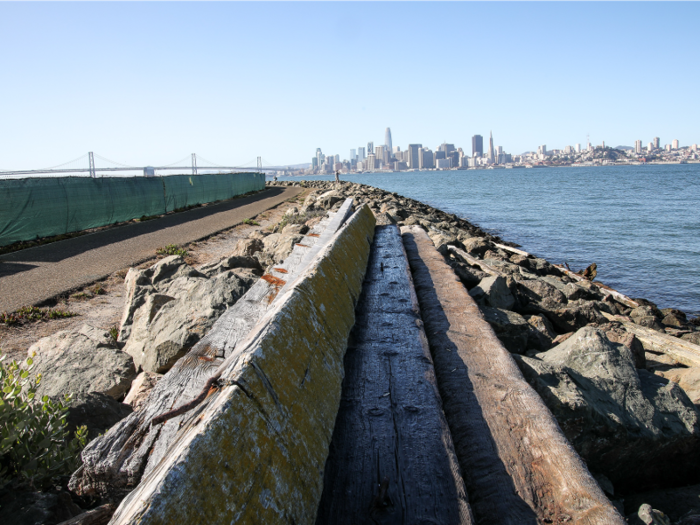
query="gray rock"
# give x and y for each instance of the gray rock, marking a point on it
(537, 296)
(469, 275)
(37, 508)
(649, 321)
(693, 337)
(575, 316)
(280, 245)
(230, 263)
(645, 311)
(96, 411)
(493, 291)
(543, 334)
(327, 200)
(511, 328)
(87, 360)
(248, 247)
(637, 429)
(651, 516)
(540, 266)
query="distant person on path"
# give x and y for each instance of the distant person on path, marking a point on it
(337, 175)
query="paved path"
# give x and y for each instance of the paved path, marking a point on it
(37, 274)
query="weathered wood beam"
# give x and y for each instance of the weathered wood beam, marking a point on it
(513, 250)
(114, 463)
(391, 459)
(681, 350)
(465, 257)
(518, 466)
(255, 450)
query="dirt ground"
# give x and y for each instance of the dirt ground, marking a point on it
(104, 308)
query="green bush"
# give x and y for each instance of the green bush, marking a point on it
(35, 447)
(172, 249)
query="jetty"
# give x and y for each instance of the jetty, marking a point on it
(393, 364)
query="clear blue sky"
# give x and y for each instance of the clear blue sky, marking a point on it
(150, 83)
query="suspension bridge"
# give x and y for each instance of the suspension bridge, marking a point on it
(85, 165)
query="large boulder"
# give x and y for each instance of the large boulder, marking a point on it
(536, 296)
(576, 315)
(469, 275)
(636, 428)
(86, 360)
(176, 311)
(542, 336)
(96, 411)
(231, 263)
(493, 291)
(511, 328)
(279, 245)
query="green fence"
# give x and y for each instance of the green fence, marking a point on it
(43, 207)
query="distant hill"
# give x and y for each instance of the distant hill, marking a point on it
(304, 165)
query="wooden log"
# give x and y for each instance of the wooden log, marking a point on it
(97, 516)
(513, 250)
(391, 458)
(254, 450)
(518, 466)
(465, 257)
(114, 463)
(681, 350)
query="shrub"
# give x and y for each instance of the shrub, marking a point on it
(251, 222)
(172, 249)
(35, 448)
(33, 313)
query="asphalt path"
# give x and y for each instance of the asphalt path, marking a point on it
(35, 275)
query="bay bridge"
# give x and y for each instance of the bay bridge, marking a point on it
(85, 166)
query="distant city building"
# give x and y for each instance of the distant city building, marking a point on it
(370, 147)
(444, 163)
(477, 146)
(650, 147)
(568, 150)
(491, 153)
(668, 147)
(657, 142)
(638, 146)
(447, 148)
(542, 150)
(387, 140)
(499, 150)
(353, 154)
(578, 148)
(413, 155)
(314, 163)
(440, 154)
(427, 159)
(675, 144)
(371, 162)
(361, 154)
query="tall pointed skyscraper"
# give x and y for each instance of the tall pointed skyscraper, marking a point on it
(491, 155)
(387, 141)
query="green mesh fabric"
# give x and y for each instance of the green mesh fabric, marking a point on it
(43, 207)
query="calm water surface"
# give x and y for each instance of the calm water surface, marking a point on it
(640, 224)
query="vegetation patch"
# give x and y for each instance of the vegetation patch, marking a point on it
(35, 446)
(172, 249)
(251, 222)
(32, 314)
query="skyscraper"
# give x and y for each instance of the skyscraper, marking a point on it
(370, 147)
(491, 146)
(387, 140)
(361, 153)
(477, 146)
(413, 155)
(353, 155)
(637, 146)
(657, 142)
(674, 144)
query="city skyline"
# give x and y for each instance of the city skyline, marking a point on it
(106, 77)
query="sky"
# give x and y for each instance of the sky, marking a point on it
(151, 83)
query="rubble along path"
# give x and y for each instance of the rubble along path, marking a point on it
(37, 274)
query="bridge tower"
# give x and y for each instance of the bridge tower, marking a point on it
(259, 163)
(91, 157)
(194, 164)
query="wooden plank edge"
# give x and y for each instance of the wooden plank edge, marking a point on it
(256, 453)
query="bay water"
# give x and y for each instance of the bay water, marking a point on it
(639, 224)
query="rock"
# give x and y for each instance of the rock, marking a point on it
(575, 316)
(171, 268)
(536, 296)
(493, 291)
(573, 292)
(511, 328)
(651, 516)
(620, 335)
(87, 360)
(442, 239)
(469, 275)
(540, 267)
(674, 318)
(171, 320)
(291, 211)
(693, 337)
(96, 411)
(649, 322)
(248, 247)
(686, 378)
(543, 335)
(645, 311)
(327, 200)
(280, 245)
(636, 428)
(476, 246)
(37, 508)
(230, 263)
(140, 388)
(561, 338)
(384, 219)
(678, 503)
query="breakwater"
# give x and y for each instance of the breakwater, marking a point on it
(639, 224)
(42, 207)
